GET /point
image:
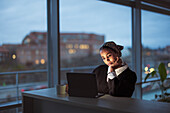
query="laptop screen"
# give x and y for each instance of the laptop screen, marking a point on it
(82, 84)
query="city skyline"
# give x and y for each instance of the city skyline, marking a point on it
(90, 16)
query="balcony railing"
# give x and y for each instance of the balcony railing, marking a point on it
(18, 102)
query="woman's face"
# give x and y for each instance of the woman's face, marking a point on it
(109, 57)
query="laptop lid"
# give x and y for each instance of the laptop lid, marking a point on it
(82, 84)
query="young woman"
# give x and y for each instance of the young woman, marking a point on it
(115, 77)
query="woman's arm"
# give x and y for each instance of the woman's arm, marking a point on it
(123, 85)
(101, 75)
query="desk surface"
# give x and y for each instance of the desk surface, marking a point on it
(105, 102)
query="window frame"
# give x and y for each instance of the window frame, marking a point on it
(136, 6)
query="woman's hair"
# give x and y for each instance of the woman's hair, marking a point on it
(112, 46)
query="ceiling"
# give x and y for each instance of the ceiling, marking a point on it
(159, 6)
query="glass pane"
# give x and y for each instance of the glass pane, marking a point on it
(23, 46)
(85, 26)
(156, 49)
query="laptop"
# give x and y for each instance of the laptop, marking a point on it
(82, 85)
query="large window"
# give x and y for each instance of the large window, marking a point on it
(23, 47)
(85, 26)
(155, 49)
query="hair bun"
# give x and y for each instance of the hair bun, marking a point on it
(120, 47)
(112, 45)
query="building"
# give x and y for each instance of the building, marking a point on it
(79, 44)
(4, 54)
(12, 48)
(34, 46)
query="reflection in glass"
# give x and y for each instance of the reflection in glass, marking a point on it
(155, 49)
(22, 40)
(85, 26)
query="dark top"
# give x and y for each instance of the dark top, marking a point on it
(121, 86)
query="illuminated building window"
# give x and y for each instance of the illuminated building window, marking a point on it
(84, 46)
(148, 53)
(28, 40)
(71, 51)
(168, 64)
(76, 46)
(69, 46)
(36, 61)
(151, 70)
(42, 61)
(14, 56)
(147, 70)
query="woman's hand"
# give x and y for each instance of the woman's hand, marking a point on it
(116, 64)
(66, 88)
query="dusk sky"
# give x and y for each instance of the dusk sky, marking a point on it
(20, 17)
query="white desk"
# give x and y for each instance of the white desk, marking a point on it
(47, 101)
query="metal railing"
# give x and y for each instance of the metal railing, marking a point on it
(151, 80)
(17, 81)
(18, 104)
(72, 69)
